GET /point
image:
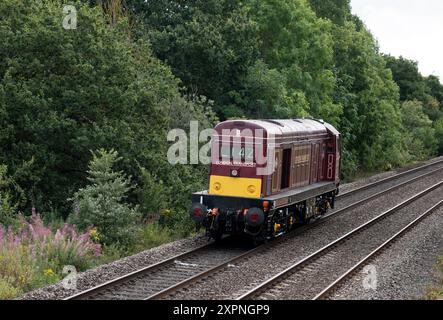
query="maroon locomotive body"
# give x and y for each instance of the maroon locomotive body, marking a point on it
(267, 175)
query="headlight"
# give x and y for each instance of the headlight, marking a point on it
(217, 186)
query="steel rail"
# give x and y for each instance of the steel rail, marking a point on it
(397, 186)
(387, 179)
(348, 274)
(169, 291)
(134, 274)
(314, 256)
(125, 278)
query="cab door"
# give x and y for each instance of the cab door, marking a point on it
(306, 165)
(315, 154)
(276, 176)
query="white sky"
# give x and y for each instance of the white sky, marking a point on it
(410, 28)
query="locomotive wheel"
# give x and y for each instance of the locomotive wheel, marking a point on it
(216, 235)
(304, 218)
(260, 238)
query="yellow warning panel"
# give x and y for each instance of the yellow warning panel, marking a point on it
(235, 187)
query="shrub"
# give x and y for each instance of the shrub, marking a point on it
(420, 134)
(178, 222)
(34, 255)
(153, 235)
(7, 209)
(101, 204)
(153, 195)
(7, 291)
(439, 135)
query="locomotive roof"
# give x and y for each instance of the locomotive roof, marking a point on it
(285, 127)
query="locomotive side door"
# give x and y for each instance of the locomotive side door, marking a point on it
(294, 166)
(276, 176)
(297, 156)
(315, 154)
(306, 165)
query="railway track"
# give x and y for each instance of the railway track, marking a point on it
(365, 191)
(391, 178)
(306, 278)
(329, 290)
(154, 278)
(163, 279)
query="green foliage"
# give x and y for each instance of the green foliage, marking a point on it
(102, 203)
(32, 255)
(266, 95)
(7, 209)
(338, 11)
(11, 196)
(65, 92)
(207, 43)
(300, 58)
(153, 195)
(413, 86)
(371, 124)
(408, 78)
(153, 235)
(7, 290)
(420, 134)
(253, 58)
(439, 134)
(299, 45)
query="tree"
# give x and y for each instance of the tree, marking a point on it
(421, 136)
(299, 46)
(439, 135)
(101, 204)
(65, 92)
(209, 44)
(338, 11)
(371, 124)
(408, 78)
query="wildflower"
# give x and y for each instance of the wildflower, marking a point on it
(94, 234)
(48, 272)
(166, 212)
(22, 279)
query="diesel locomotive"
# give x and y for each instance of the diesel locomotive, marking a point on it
(268, 175)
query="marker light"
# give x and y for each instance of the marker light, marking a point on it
(251, 189)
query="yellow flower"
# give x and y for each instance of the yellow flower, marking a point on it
(22, 279)
(165, 212)
(48, 272)
(94, 234)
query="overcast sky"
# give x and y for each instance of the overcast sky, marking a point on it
(411, 28)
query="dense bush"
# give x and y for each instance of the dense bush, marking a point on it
(439, 134)
(66, 92)
(420, 134)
